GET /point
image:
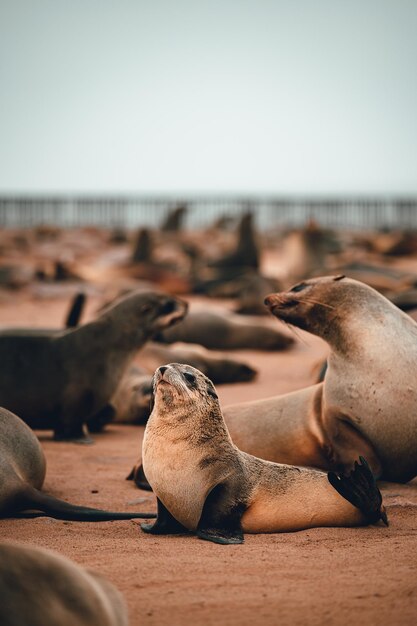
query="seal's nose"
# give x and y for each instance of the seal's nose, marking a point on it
(162, 369)
(269, 300)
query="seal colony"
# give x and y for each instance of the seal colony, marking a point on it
(367, 404)
(22, 474)
(59, 379)
(206, 485)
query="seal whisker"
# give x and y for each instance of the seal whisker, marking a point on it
(310, 300)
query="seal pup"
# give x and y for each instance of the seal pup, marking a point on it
(22, 474)
(43, 588)
(59, 379)
(205, 484)
(367, 404)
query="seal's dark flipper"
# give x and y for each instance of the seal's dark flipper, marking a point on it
(131, 474)
(97, 422)
(221, 535)
(221, 516)
(165, 523)
(140, 479)
(32, 500)
(76, 433)
(361, 490)
(75, 312)
(82, 439)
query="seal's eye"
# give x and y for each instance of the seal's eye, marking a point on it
(190, 378)
(146, 308)
(299, 287)
(167, 308)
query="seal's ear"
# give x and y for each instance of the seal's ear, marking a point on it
(211, 391)
(339, 277)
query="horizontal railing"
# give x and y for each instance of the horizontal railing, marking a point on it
(135, 210)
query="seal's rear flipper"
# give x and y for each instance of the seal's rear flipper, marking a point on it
(165, 523)
(220, 520)
(361, 490)
(221, 535)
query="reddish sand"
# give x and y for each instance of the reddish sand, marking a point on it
(320, 576)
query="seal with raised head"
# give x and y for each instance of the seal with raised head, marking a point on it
(367, 403)
(22, 474)
(43, 588)
(205, 484)
(59, 379)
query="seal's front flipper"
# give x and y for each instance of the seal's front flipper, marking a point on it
(165, 523)
(361, 490)
(97, 422)
(140, 479)
(220, 520)
(75, 433)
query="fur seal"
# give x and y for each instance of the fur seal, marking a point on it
(133, 396)
(367, 404)
(58, 379)
(225, 331)
(246, 254)
(173, 221)
(22, 473)
(220, 368)
(43, 588)
(205, 484)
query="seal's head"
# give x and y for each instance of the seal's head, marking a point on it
(331, 307)
(305, 304)
(148, 312)
(181, 390)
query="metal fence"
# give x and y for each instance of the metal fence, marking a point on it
(134, 210)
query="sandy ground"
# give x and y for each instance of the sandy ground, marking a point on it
(320, 576)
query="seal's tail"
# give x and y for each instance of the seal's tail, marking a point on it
(361, 490)
(34, 500)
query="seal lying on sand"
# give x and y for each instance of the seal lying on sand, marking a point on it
(225, 331)
(22, 473)
(206, 485)
(219, 367)
(58, 379)
(130, 404)
(367, 404)
(42, 588)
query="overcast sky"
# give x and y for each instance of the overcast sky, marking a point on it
(231, 95)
